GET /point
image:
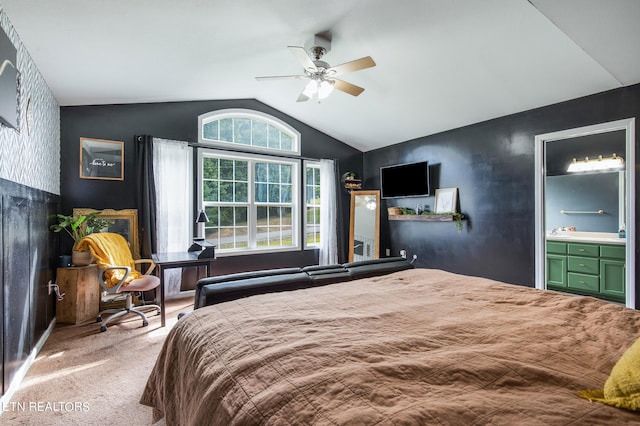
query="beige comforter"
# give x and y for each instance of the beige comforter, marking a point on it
(414, 347)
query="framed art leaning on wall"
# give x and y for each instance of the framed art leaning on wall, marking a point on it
(123, 222)
(101, 159)
(446, 200)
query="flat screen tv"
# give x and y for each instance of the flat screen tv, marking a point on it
(405, 180)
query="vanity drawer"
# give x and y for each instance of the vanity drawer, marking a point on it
(586, 265)
(556, 248)
(583, 281)
(592, 250)
(613, 252)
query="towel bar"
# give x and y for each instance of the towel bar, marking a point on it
(581, 212)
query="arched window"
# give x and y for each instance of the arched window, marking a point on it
(255, 191)
(248, 130)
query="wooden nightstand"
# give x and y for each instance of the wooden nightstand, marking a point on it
(82, 294)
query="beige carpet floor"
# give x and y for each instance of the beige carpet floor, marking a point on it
(85, 377)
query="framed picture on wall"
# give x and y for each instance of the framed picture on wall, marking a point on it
(101, 159)
(446, 200)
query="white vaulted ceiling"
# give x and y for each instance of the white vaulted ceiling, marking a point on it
(440, 64)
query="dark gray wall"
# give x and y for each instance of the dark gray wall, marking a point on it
(176, 121)
(492, 164)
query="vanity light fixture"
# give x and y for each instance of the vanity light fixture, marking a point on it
(598, 164)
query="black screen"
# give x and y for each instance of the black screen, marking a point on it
(405, 180)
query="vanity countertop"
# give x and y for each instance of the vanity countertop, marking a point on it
(587, 237)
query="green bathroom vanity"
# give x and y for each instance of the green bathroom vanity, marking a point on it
(588, 263)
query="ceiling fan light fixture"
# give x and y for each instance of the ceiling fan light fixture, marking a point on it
(324, 89)
(311, 88)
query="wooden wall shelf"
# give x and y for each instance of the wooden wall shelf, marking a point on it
(423, 217)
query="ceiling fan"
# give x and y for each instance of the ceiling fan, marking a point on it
(321, 75)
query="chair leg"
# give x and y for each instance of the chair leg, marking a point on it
(128, 309)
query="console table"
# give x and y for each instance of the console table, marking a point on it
(179, 259)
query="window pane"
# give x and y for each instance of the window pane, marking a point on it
(274, 193)
(210, 130)
(274, 137)
(308, 194)
(262, 236)
(241, 216)
(210, 168)
(286, 142)
(287, 236)
(242, 132)
(261, 172)
(242, 238)
(212, 234)
(210, 190)
(226, 192)
(212, 214)
(261, 215)
(259, 133)
(286, 213)
(261, 193)
(285, 193)
(226, 130)
(226, 216)
(241, 192)
(274, 173)
(226, 169)
(242, 171)
(285, 173)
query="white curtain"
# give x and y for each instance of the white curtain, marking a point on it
(173, 179)
(328, 214)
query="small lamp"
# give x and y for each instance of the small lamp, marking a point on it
(199, 244)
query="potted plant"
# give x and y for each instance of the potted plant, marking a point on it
(78, 228)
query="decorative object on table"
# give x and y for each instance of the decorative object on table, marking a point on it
(123, 222)
(78, 227)
(446, 200)
(394, 211)
(351, 182)
(206, 249)
(101, 159)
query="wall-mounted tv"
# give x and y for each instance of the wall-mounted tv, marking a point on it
(405, 180)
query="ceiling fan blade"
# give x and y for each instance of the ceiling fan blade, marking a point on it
(301, 55)
(302, 98)
(351, 66)
(345, 87)
(281, 77)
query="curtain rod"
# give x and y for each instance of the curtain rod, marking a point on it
(299, 157)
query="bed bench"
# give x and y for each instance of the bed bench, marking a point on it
(224, 288)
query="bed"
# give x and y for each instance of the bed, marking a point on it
(420, 346)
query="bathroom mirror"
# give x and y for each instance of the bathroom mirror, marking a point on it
(589, 202)
(364, 238)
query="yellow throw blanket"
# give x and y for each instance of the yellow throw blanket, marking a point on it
(622, 388)
(110, 249)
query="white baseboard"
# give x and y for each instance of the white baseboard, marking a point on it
(22, 371)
